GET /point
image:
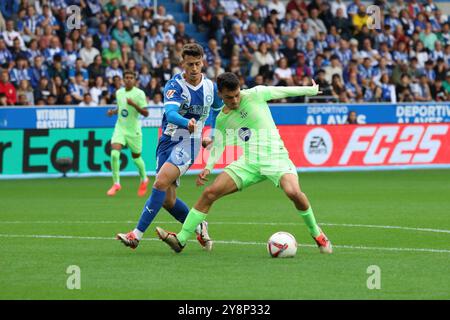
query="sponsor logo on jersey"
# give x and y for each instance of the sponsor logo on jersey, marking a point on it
(245, 134)
(124, 113)
(170, 93)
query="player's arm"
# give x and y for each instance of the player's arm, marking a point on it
(140, 105)
(172, 103)
(273, 93)
(214, 155)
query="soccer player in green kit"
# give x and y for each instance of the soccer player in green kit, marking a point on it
(246, 120)
(131, 102)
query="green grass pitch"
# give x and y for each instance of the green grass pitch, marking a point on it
(396, 220)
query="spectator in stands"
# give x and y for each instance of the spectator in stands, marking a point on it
(78, 88)
(9, 35)
(3, 100)
(337, 86)
(88, 52)
(113, 70)
(17, 51)
(152, 88)
(388, 93)
(98, 89)
(22, 100)
(20, 72)
(262, 61)
(87, 101)
(422, 90)
(164, 72)
(213, 71)
(335, 67)
(283, 74)
(157, 100)
(57, 89)
(404, 92)
(352, 118)
(25, 90)
(43, 90)
(96, 68)
(112, 52)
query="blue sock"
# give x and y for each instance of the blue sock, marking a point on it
(179, 211)
(151, 209)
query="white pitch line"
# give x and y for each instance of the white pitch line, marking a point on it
(349, 225)
(232, 242)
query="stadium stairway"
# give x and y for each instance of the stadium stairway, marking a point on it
(176, 9)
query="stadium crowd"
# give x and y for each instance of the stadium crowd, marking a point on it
(45, 60)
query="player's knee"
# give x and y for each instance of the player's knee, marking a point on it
(210, 194)
(161, 184)
(115, 154)
(293, 193)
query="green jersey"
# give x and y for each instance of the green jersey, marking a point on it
(127, 116)
(251, 125)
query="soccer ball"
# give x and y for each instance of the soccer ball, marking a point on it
(282, 245)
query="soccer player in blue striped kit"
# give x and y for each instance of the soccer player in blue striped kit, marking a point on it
(189, 97)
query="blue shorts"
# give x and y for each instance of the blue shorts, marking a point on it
(180, 153)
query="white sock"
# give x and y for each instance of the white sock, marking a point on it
(138, 234)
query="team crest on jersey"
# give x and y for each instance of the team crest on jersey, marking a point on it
(245, 134)
(170, 93)
(209, 99)
(124, 113)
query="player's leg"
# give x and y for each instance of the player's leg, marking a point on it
(144, 180)
(179, 210)
(166, 176)
(291, 187)
(222, 185)
(135, 145)
(116, 148)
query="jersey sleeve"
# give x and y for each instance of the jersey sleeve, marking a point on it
(142, 100)
(172, 94)
(263, 92)
(272, 93)
(217, 103)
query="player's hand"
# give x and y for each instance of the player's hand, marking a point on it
(202, 177)
(315, 86)
(111, 112)
(207, 143)
(192, 125)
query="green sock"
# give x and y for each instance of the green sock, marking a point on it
(193, 219)
(115, 165)
(310, 221)
(141, 167)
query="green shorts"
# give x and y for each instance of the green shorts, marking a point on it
(133, 141)
(245, 173)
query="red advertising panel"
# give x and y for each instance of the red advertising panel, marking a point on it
(340, 146)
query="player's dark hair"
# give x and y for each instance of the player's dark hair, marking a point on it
(227, 80)
(193, 50)
(128, 71)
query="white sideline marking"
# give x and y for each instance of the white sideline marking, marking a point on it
(236, 242)
(239, 223)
